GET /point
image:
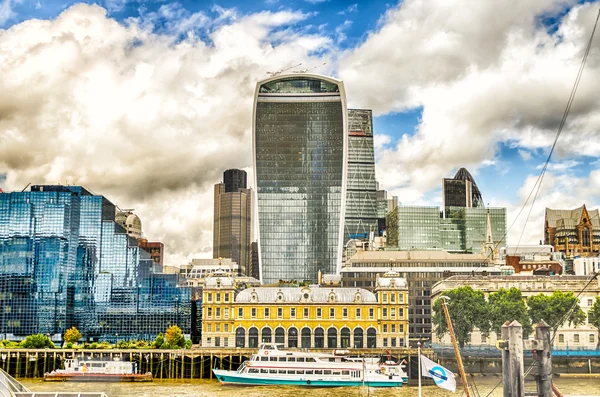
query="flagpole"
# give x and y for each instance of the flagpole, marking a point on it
(461, 369)
(419, 352)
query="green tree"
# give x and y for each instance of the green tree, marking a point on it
(72, 335)
(174, 336)
(594, 317)
(555, 309)
(37, 341)
(508, 305)
(159, 341)
(468, 310)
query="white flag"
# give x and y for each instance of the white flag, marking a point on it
(441, 376)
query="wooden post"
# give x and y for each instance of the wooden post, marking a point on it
(461, 369)
(192, 357)
(211, 365)
(162, 359)
(182, 365)
(505, 359)
(544, 379)
(515, 347)
(202, 366)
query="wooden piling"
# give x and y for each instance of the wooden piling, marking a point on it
(544, 380)
(515, 346)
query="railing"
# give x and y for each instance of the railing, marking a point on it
(492, 351)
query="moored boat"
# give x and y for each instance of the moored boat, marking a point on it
(98, 371)
(272, 366)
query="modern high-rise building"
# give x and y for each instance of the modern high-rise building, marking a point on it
(65, 261)
(232, 227)
(361, 193)
(234, 180)
(300, 146)
(461, 191)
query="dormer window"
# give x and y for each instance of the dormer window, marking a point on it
(280, 296)
(331, 297)
(254, 297)
(357, 297)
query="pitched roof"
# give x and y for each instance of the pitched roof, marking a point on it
(568, 219)
(295, 294)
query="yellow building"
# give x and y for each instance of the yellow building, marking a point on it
(306, 317)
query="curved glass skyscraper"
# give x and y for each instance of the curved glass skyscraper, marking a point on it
(300, 156)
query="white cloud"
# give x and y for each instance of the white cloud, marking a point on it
(525, 154)
(6, 11)
(350, 9)
(484, 73)
(148, 120)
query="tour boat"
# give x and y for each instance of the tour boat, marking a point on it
(272, 366)
(100, 371)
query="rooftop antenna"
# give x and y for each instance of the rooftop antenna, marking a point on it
(309, 69)
(273, 74)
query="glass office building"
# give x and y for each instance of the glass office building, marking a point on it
(458, 229)
(300, 158)
(461, 191)
(65, 262)
(361, 194)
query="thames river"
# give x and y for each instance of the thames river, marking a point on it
(206, 388)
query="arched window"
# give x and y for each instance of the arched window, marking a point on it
(358, 338)
(319, 338)
(585, 237)
(240, 337)
(306, 342)
(371, 338)
(253, 337)
(293, 337)
(345, 337)
(266, 335)
(279, 335)
(332, 338)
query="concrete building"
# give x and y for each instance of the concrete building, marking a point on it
(305, 317)
(300, 145)
(156, 249)
(130, 222)
(567, 337)
(232, 226)
(573, 232)
(361, 193)
(586, 266)
(421, 269)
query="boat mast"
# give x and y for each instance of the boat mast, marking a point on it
(461, 369)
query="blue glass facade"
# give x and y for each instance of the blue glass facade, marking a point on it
(65, 262)
(300, 164)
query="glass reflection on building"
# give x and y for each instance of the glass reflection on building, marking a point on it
(65, 262)
(300, 152)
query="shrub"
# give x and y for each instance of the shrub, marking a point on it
(188, 344)
(159, 341)
(69, 345)
(93, 345)
(173, 336)
(105, 345)
(37, 341)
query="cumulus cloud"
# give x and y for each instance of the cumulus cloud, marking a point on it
(148, 119)
(484, 73)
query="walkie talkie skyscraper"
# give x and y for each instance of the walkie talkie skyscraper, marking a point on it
(300, 156)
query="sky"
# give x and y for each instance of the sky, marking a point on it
(148, 102)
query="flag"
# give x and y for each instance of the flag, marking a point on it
(440, 375)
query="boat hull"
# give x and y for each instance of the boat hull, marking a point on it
(87, 377)
(235, 378)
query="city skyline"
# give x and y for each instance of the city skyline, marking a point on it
(147, 103)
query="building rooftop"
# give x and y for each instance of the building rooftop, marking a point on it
(568, 219)
(296, 294)
(438, 255)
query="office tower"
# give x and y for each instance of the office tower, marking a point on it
(232, 227)
(300, 158)
(461, 191)
(234, 180)
(65, 261)
(573, 232)
(361, 193)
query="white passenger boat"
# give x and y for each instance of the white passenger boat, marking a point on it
(97, 370)
(271, 366)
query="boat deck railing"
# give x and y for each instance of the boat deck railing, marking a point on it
(10, 387)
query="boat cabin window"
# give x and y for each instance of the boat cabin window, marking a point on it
(310, 360)
(345, 372)
(272, 371)
(264, 371)
(292, 359)
(300, 372)
(318, 372)
(291, 372)
(311, 372)
(327, 372)
(300, 359)
(331, 360)
(282, 371)
(272, 358)
(337, 373)
(281, 358)
(253, 370)
(264, 358)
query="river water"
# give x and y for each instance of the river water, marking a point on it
(208, 388)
